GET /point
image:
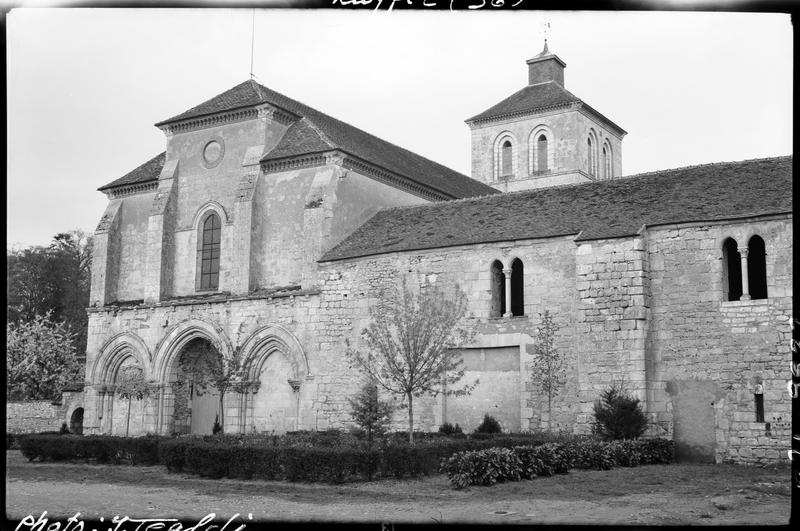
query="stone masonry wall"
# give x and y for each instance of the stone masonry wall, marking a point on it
(703, 345)
(611, 321)
(350, 287)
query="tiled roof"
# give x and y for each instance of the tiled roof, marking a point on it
(605, 209)
(530, 98)
(320, 132)
(149, 171)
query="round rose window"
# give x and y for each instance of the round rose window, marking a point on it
(212, 153)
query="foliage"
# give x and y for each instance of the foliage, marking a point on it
(40, 359)
(217, 428)
(486, 467)
(489, 425)
(130, 385)
(482, 467)
(103, 448)
(370, 412)
(618, 415)
(207, 369)
(411, 344)
(547, 370)
(449, 429)
(341, 458)
(53, 279)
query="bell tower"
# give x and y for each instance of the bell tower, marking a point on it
(543, 135)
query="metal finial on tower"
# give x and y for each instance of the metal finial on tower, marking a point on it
(252, 43)
(546, 36)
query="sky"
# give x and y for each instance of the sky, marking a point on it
(85, 86)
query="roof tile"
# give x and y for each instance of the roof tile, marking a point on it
(604, 209)
(149, 171)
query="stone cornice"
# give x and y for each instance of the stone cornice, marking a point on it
(131, 189)
(620, 132)
(350, 162)
(203, 301)
(483, 121)
(236, 115)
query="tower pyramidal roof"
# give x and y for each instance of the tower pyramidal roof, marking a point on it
(545, 90)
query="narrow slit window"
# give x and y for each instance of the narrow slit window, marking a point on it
(506, 167)
(731, 270)
(757, 268)
(498, 302)
(517, 288)
(541, 153)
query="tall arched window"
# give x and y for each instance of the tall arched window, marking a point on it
(209, 249)
(731, 270)
(757, 268)
(498, 286)
(591, 156)
(517, 289)
(608, 161)
(506, 159)
(541, 153)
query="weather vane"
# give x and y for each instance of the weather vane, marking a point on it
(546, 31)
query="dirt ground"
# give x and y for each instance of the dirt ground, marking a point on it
(645, 495)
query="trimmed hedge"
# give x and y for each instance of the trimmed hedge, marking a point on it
(340, 457)
(493, 465)
(103, 448)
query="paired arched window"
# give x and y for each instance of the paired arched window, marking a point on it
(209, 252)
(748, 284)
(503, 299)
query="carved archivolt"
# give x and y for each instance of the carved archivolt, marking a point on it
(266, 341)
(114, 352)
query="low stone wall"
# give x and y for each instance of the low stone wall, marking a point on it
(33, 416)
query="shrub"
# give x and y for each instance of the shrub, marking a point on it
(369, 412)
(482, 467)
(489, 425)
(618, 416)
(63, 430)
(217, 427)
(103, 448)
(449, 429)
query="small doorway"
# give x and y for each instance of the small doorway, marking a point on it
(76, 421)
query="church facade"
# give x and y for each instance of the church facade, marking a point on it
(267, 229)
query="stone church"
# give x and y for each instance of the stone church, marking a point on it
(267, 229)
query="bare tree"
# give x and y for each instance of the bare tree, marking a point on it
(412, 341)
(131, 385)
(548, 370)
(207, 369)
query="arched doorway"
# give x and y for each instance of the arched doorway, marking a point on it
(76, 421)
(193, 380)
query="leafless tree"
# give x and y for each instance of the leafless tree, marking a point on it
(412, 342)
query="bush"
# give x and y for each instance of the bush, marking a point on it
(485, 467)
(103, 448)
(449, 429)
(618, 416)
(63, 430)
(482, 467)
(489, 425)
